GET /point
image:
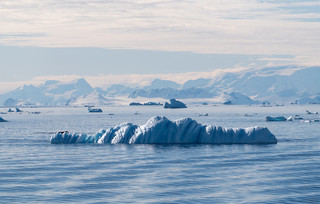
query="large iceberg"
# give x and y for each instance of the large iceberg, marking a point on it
(160, 130)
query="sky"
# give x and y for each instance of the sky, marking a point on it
(109, 37)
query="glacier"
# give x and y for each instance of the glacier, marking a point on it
(161, 130)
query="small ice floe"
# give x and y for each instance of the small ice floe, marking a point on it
(94, 110)
(309, 112)
(2, 120)
(135, 104)
(160, 130)
(18, 110)
(35, 112)
(310, 121)
(88, 106)
(10, 110)
(297, 117)
(290, 118)
(152, 104)
(204, 114)
(174, 104)
(279, 118)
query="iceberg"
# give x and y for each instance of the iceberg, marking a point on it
(18, 110)
(308, 112)
(94, 110)
(2, 120)
(279, 118)
(152, 104)
(160, 130)
(290, 118)
(135, 104)
(174, 104)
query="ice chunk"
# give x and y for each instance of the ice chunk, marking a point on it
(2, 120)
(94, 110)
(174, 104)
(160, 130)
(308, 112)
(18, 110)
(290, 118)
(279, 118)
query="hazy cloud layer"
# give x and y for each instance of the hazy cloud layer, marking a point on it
(104, 81)
(132, 80)
(206, 26)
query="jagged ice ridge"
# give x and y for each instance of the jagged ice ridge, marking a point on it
(160, 130)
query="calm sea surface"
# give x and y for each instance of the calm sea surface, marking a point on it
(34, 171)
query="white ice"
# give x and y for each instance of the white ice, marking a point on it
(160, 130)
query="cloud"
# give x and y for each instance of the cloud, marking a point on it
(204, 26)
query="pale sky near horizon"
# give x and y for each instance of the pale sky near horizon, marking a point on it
(101, 37)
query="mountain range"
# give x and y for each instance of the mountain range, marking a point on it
(288, 84)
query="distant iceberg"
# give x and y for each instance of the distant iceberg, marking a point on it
(135, 104)
(174, 104)
(279, 118)
(18, 110)
(94, 110)
(160, 130)
(308, 112)
(2, 120)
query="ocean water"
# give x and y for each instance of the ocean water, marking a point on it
(34, 171)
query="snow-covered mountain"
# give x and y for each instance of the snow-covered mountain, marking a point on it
(75, 88)
(287, 84)
(272, 84)
(162, 84)
(50, 93)
(250, 86)
(198, 83)
(91, 99)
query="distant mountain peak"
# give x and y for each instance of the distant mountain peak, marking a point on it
(160, 84)
(287, 84)
(81, 80)
(50, 82)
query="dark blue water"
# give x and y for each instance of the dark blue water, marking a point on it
(34, 171)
